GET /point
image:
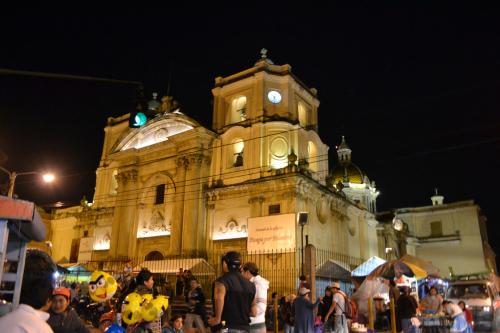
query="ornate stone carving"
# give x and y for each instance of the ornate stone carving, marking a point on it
(124, 177)
(322, 209)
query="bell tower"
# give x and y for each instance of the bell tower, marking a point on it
(264, 115)
(262, 93)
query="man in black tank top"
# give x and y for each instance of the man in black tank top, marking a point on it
(234, 298)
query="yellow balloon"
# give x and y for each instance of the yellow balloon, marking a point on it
(133, 297)
(149, 312)
(131, 313)
(147, 298)
(102, 286)
(160, 302)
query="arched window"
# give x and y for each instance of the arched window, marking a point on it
(302, 113)
(235, 152)
(154, 255)
(313, 156)
(238, 109)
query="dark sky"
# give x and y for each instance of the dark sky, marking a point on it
(414, 89)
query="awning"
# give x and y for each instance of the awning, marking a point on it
(332, 269)
(76, 269)
(368, 266)
(197, 266)
(25, 219)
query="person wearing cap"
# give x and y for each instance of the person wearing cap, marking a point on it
(250, 271)
(233, 298)
(336, 311)
(303, 311)
(63, 318)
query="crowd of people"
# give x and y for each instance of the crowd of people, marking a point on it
(239, 304)
(407, 309)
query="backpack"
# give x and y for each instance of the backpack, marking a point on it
(350, 308)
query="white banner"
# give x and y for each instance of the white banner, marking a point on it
(85, 250)
(271, 233)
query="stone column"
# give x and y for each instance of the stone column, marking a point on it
(256, 204)
(193, 223)
(124, 213)
(178, 212)
(210, 212)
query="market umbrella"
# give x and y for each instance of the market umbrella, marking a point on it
(427, 266)
(396, 268)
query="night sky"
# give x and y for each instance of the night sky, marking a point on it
(415, 90)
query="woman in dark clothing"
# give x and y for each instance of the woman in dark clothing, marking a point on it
(406, 308)
(286, 313)
(326, 303)
(63, 318)
(144, 286)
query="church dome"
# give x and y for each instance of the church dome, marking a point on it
(347, 173)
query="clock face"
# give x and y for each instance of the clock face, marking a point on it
(274, 97)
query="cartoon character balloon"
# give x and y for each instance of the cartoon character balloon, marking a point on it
(131, 313)
(133, 297)
(146, 298)
(102, 286)
(161, 303)
(149, 312)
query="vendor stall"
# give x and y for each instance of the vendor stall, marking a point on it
(434, 324)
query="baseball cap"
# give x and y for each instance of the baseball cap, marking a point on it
(61, 291)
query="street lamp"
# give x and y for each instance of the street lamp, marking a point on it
(302, 219)
(401, 229)
(48, 178)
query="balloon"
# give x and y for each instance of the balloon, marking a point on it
(160, 302)
(131, 313)
(102, 286)
(149, 312)
(115, 328)
(133, 297)
(147, 298)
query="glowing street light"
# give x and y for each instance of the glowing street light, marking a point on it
(48, 178)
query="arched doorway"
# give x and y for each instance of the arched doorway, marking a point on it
(154, 255)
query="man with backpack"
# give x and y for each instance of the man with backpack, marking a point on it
(336, 319)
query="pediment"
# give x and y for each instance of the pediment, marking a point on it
(155, 132)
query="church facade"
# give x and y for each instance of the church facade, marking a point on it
(175, 188)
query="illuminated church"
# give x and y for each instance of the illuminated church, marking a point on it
(175, 188)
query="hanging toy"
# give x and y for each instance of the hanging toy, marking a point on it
(102, 286)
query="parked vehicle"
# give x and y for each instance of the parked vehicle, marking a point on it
(482, 297)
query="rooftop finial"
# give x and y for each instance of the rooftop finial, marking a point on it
(263, 53)
(437, 199)
(263, 56)
(153, 104)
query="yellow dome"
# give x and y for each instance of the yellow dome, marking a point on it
(350, 170)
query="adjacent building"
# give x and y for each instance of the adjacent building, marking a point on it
(451, 235)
